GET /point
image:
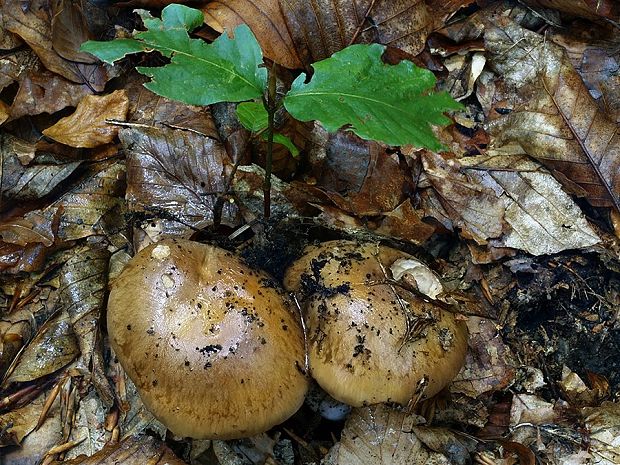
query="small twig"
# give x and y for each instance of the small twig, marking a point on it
(270, 104)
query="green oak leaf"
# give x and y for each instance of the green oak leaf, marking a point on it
(354, 88)
(226, 70)
(253, 116)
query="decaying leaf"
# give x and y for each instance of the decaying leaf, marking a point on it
(175, 176)
(266, 21)
(323, 27)
(54, 347)
(78, 212)
(490, 364)
(603, 422)
(46, 92)
(591, 9)
(18, 423)
(33, 25)
(21, 183)
(543, 219)
(83, 284)
(134, 450)
(476, 210)
(69, 31)
(87, 126)
(555, 119)
(380, 434)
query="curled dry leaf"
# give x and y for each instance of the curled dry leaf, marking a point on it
(266, 21)
(380, 434)
(33, 25)
(323, 27)
(87, 126)
(543, 219)
(556, 121)
(476, 210)
(70, 31)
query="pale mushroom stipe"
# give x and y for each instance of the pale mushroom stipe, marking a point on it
(372, 339)
(212, 345)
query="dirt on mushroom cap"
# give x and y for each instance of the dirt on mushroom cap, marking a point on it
(212, 345)
(371, 340)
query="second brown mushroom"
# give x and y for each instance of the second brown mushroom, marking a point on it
(371, 337)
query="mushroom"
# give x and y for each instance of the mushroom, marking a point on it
(371, 337)
(211, 344)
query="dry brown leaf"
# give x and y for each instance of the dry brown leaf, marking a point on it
(146, 107)
(603, 422)
(33, 25)
(87, 126)
(16, 65)
(380, 434)
(556, 120)
(591, 9)
(594, 54)
(70, 31)
(444, 9)
(489, 366)
(405, 222)
(476, 210)
(175, 176)
(134, 450)
(323, 27)
(18, 423)
(83, 284)
(46, 92)
(266, 21)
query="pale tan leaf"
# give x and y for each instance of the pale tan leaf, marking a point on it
(543, 219)
(476, 210)
(380, 434)
(266, 21)
(603, 422)
(555, 119)
(322, 27)
(87, 126)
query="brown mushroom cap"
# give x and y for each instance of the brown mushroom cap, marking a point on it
(211, 345)
(370, 341)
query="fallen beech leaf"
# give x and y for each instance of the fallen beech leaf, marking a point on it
(78, 212)
(489, 365)
(591, 9)
(176, 176)
(475, 209)
(70, 31)
(381, 434)
(603, 422)
(33, 25)
(266, 21)
(83, 284)
(46, 92)
(556, 120)
(542, 217)
(54, 347)
(405, 222)
(323, 27)
(87, 126)
(133, 450)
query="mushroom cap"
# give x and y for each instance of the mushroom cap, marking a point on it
(369, 339)
(211, 344)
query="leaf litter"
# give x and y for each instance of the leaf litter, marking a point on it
(513, 214)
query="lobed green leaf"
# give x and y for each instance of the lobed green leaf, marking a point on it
(355, 89)
(226, 70)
